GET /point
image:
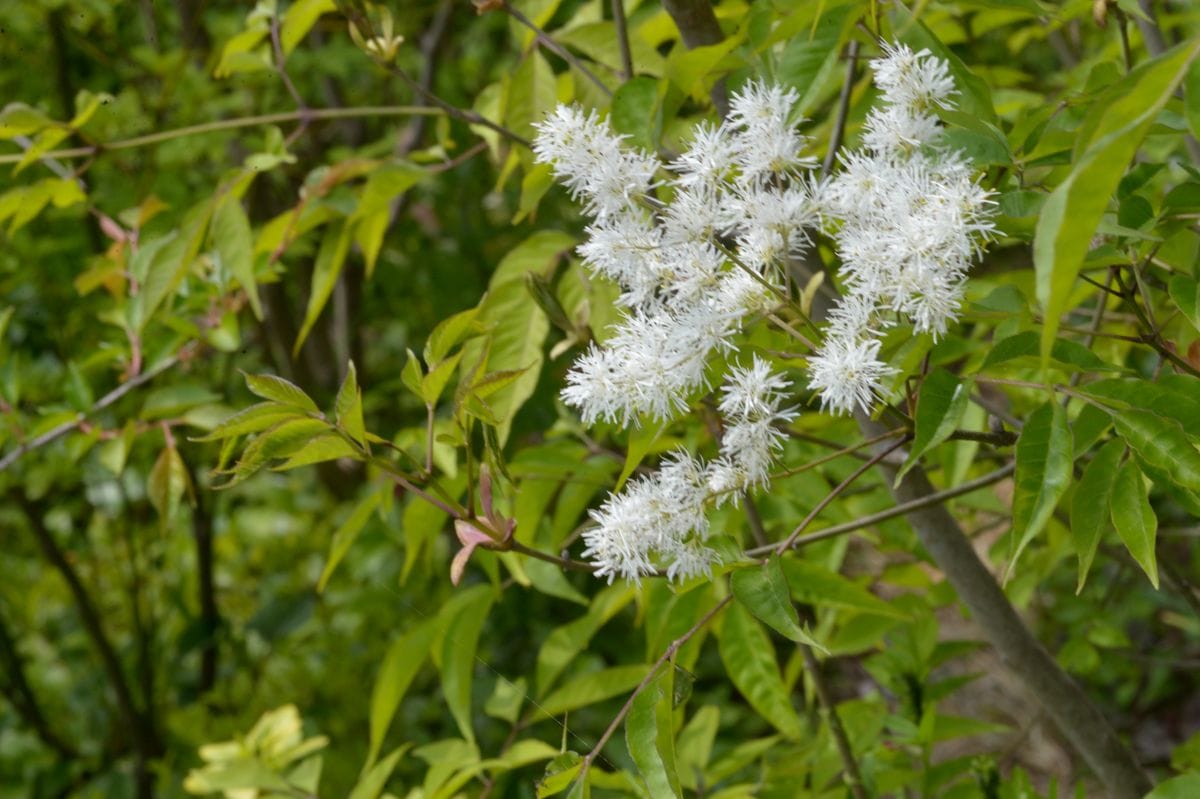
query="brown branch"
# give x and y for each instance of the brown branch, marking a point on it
(843, 109)
(699, 28)
(24, 700)
(544, 40)
(622, 26)
(853, 776)
(1077, 718)
(57, 432)
(788, 542)
(146, 743)
(669, 653)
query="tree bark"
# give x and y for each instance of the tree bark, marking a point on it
(1079, 720)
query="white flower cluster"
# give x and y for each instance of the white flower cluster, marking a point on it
(908, 219)
(700, 244)
(684, 292)
(659, 519)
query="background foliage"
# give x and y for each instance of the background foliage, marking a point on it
(201, 190)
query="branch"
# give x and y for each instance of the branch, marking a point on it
(55, 433)
(699, 28)
(622, 26)
(145, 742)
(1077, 718)
(24, 700)
(853, 776)
(935, 498)
(832, 495)
(843, 111)
(544, 40)
(234, 124)
(675, 646)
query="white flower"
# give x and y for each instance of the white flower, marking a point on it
(708, 162)
(656, 518)
(919, 79)
(593, 162)
(847, 373)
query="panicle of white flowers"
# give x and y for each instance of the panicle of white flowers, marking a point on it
(908, 218)
(750, 405)
(593, 162)
(658, 521)
(685, 292)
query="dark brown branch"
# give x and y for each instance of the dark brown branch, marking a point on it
(19, 692)
(853, 776)
(622, 26)
(146, 743)
(699, 28)
(843, 109)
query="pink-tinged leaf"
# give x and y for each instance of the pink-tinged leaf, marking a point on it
(459, 564)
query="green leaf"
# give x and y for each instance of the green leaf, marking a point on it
(297, 22)
(506, 700)
(1134, 518)
(1163, 444)
(449, 333)
(434, 383)
(1185, 291)
(816, 585)
(560, 772)
(327, 446)
(462, 623)
(280, 441)
(809, 58)
(763, 590)
(326, 270)
(344, 536)
(531, 94)
(1072, 213)
(1089, 507)
(252, 420)
(231, 236)
(567, 641)
(348, 406)
(1171, 396)
(749, 660)
(1044, 458)
(400, 665)
(166, 484)
(637, 113)
(19, 119)
(1191, 99)
(940, 408)
(518, 326)
(1186, 786)
(277, 389)
(1067, 353)
(650, 736)
(591, 687)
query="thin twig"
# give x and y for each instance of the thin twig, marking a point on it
(234, 124)
(669, 653)
(832, 495)
(622, 26)
(902, 509)
(55, 433)
(843, 110)
(544, 40)
(852, 776)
